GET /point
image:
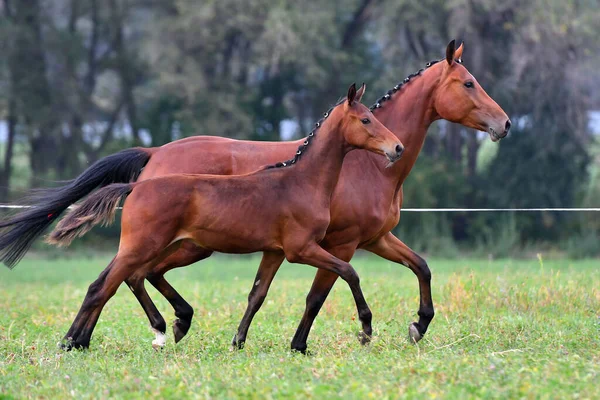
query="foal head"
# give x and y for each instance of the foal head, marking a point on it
(459, 98)
(362, 130)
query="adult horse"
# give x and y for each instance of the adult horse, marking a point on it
(443, 90)
(228, 213)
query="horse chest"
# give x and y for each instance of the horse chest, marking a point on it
(362, 218)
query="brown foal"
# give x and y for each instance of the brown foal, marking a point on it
(228, 214)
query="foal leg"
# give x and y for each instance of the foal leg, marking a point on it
(315, 255)
(269, 265)
(157, 322)
(183, 311)
(391, 248)
(187, 254)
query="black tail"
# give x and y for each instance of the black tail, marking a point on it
(47, 204)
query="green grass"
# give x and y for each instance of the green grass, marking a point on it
(503, 329)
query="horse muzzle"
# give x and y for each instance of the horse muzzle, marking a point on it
(496, 135)
(395, 155)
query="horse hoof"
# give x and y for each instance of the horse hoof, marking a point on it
(413, 333)
(237, 344)
(363, 338)
(302, 350)
(66, 345)
(70, 344)
(180, 329)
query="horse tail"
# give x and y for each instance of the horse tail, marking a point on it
(47, 204)
(99, 208)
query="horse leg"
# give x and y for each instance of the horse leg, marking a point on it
(183, 311)
(187, 254)
(322, 284)
(269, 265)
(391, 248)
(98, 294)
(315, 255)
(157, 322)
(69, 340)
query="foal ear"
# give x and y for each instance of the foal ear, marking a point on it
(360, 92)
(450, 52)
(351, 94)
(458, 52)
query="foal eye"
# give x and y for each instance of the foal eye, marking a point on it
(365, 121)
(469, 84)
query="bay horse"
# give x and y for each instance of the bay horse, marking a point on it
(282, 208)
(442, 90)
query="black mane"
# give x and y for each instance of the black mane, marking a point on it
(307, 141)
(388, 95)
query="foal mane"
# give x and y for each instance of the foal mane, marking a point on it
(378, 104)
(302, 148)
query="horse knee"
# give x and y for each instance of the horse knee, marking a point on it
(135, 282)
(423, 269)
(350, 276)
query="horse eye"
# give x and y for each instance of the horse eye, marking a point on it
(365, 121)
(469, 84)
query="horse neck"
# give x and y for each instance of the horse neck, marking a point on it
(321, 162)
(408, 114)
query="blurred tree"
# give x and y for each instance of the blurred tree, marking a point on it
(83, 78)
(30, 87)
(8, 105)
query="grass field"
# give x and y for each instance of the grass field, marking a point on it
(503, 329)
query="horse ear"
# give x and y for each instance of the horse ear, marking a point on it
(450, 52)
(351, 94)
(458, 52)
(360, 92)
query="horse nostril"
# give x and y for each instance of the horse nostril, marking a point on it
(399, 149)
(507, 126)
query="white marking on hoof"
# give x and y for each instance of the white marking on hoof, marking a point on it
(414, 334)
(160, 341)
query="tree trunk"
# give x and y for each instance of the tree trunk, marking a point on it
(126, 73)
(8, 155)
(31, 89)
